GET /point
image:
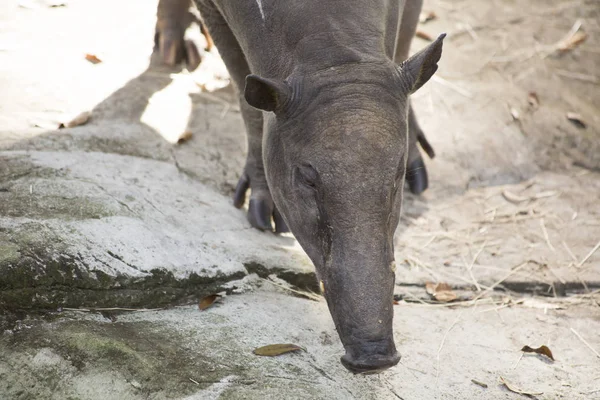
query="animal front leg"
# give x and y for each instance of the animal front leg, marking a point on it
(178, 33)
(261, 208)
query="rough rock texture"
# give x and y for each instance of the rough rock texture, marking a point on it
(75, 226)
(184, 353)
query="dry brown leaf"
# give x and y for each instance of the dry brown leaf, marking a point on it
(572, 41)
(184, 137)
(430, 288)
(445, 296)
(93, 58)
(513, 198)
(440, 291)
(441, 287)
(208, 301)
(273, 350)
(424, 35)
(576, 119)
(533, 99)
(427, 16)
(80, 119)
(542, 350)
(515, 389)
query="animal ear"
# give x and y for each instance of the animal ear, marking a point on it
(421, 66)
(266, 94)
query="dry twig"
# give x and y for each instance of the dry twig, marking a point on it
(309, 295)
(585, 342)
(511, 273)
(546, 237)
(566, 246)
(452, 86)
(591, 253)
(578, 76)
(437, 371)
(470, 267)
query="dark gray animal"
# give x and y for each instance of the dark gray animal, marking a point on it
(324, 93)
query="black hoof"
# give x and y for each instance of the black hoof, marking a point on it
(280, 225)
(192, 55)
(239, 198)
(259, 214)
(416, 176)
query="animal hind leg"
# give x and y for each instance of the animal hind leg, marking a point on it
(261, 207)
(416, 173)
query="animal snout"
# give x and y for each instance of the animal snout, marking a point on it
(370, 357)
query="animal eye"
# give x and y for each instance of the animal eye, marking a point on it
(306, 175)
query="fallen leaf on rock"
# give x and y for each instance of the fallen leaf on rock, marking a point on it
(424, 35)
(576, 119)
(273, 350)
(208, 301)
(80, 119)
(515, 389)
(514, 198)
(483, 385)
(427, 16)
(542, 350)
(184, 137)
(533, 99)
(440, 291)
(93, 58)
(572, 41)
(440, 287)
(515, 113)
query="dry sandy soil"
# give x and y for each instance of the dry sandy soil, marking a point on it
(112, 213)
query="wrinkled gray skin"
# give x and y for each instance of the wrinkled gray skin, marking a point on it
(327, 113)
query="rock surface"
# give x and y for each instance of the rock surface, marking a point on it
(186, 354)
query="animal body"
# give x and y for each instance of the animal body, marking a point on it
(324, 91)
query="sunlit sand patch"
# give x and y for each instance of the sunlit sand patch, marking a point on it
(168, 111)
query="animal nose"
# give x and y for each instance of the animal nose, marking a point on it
(370, 357)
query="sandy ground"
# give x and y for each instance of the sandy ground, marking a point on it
(97, 216)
